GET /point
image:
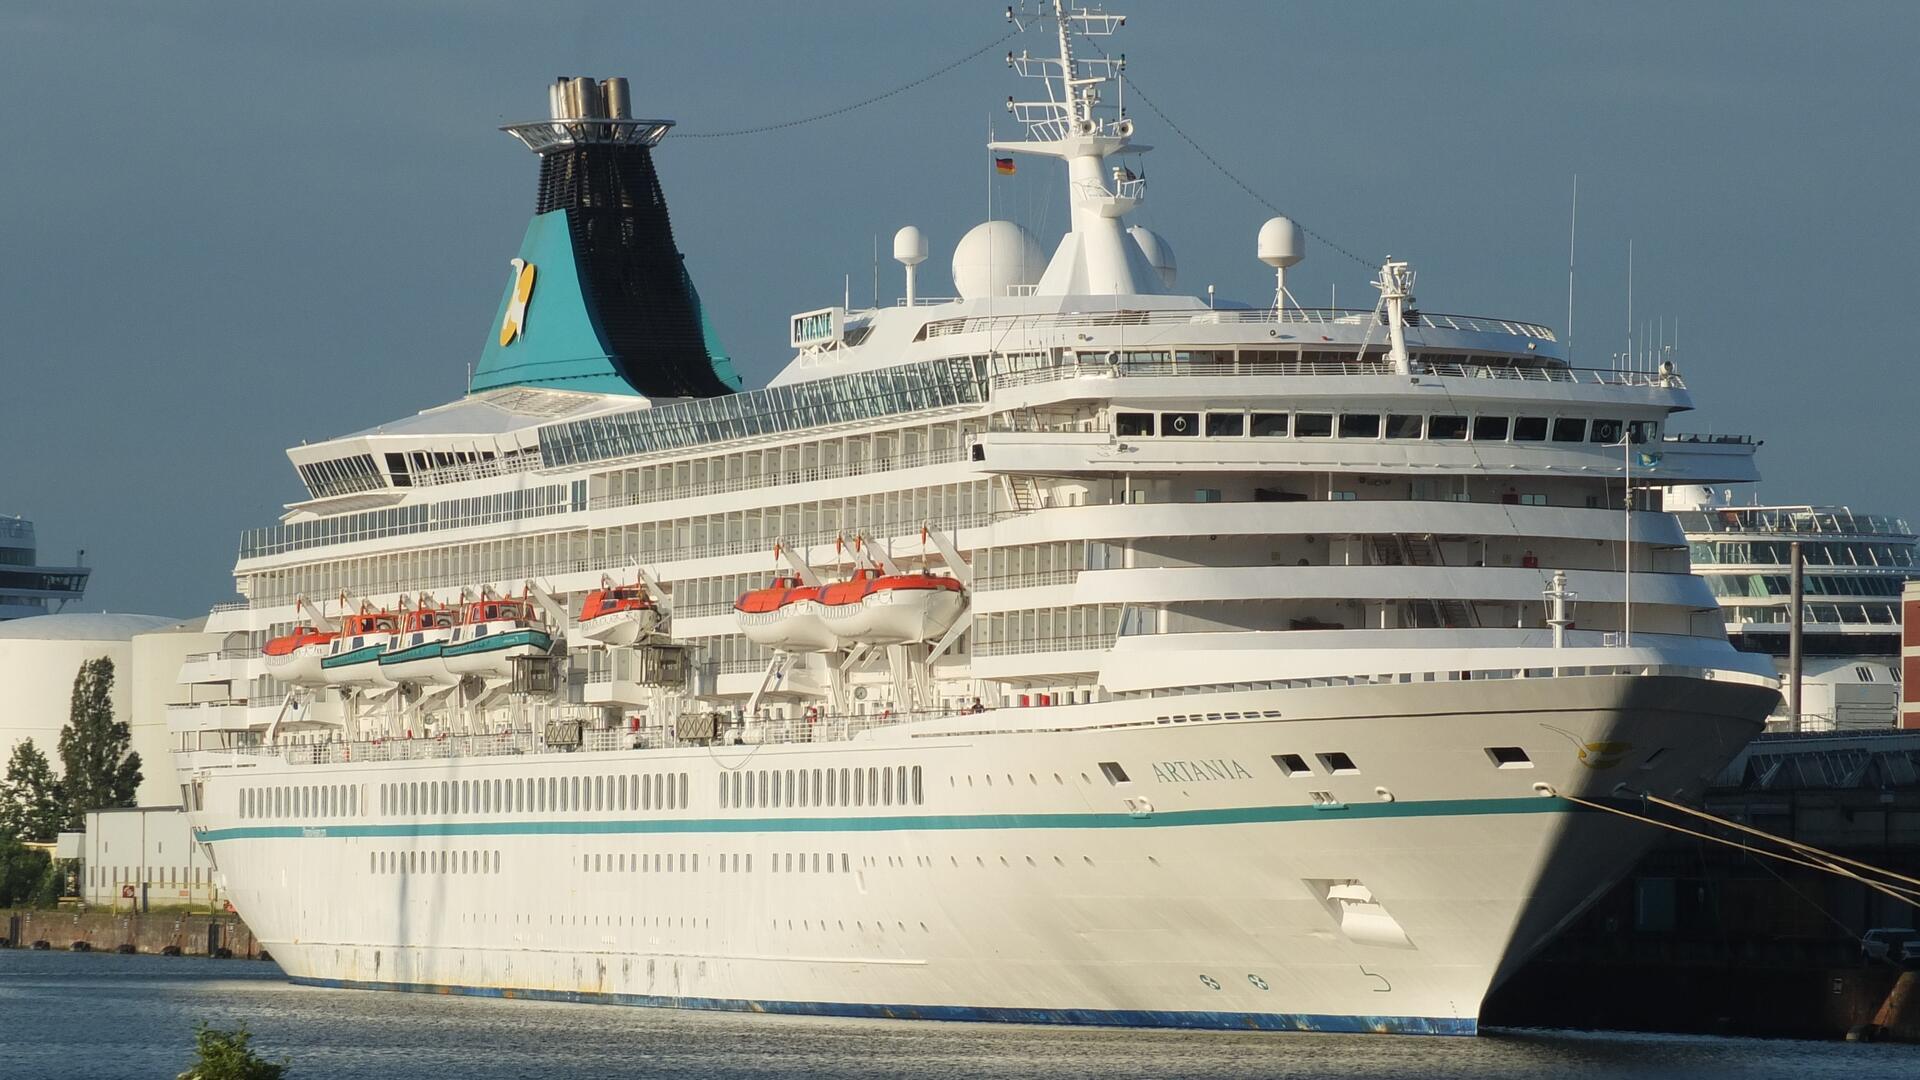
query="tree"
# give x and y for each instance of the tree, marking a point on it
(225, 1055)
(23, 874)
(99, 771)
(32, 802)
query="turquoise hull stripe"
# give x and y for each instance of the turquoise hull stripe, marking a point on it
(1163, 1018)
(1248, 815)
(423, 651)
(494, 642)
(357, 656)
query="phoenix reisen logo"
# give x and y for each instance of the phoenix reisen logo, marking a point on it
(1190, 772)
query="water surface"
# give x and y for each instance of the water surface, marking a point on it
(106, 1017)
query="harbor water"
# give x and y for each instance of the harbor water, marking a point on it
(107, 1017)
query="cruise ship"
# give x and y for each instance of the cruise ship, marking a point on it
(1071, 650)
(28, 588)
(1853, 568)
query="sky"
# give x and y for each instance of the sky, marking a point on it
(229, 228)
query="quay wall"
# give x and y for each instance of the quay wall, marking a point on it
(194, 934)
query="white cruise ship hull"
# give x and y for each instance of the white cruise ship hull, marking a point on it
(1026, 886)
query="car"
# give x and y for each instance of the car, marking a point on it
(1910, 953)
(1887, 943)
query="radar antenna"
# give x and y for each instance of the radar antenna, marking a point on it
(1076, 124)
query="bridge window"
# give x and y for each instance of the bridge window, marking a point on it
(1359, 425)
(1269, 425)
(1447, 428)
(1132, 425)
(1405, 427)
(1313, 425)
(1179, 424)
(1530, 429)
(1569, 429)
(1489, 429)
(1606, 431)
(1226, 425)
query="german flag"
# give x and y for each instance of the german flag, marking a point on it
(1003, 166)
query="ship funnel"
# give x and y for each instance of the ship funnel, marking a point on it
(598, 298)
(616, 104)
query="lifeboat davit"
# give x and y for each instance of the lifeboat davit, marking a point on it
(494, 633)
(353, 657)
(893, 609)
(414, 654)
(620, 615)
(785, 615)
(296, 657)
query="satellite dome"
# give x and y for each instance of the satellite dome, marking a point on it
(1281, 243)
(909, 246)
(1159, 253)
(993, 257)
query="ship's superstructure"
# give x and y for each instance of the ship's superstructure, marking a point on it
(1071, 650)
(27, 587)
(1853, 569)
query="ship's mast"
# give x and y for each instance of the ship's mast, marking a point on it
(1075, 125)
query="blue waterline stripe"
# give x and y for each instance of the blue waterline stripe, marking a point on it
(413, 652)
(1236, 1021)
(499, 641)
(357, 656)
(1247, 815)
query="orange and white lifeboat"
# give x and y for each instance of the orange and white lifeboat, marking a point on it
(893, 609)
(785, 615)
(620, 615)
(493, 634)
(353, 658)
(414, 654)
(295, 657)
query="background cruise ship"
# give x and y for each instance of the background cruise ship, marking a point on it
(1855, 566)
(1071, 650)
(26, 587)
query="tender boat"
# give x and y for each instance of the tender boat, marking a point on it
(892, 609)
(353, 658)
(296, 657)
(619, 615)
(494, 633)
(413, 655)
(786, 615)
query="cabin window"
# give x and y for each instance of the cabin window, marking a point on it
(1292, 764)
(1309, 425)
(1509, 757)
(919, 793)
(1569, 429)
(1226, 425)
(1179, 424)
(1405, 427)
(1337, 763)
(1529, 429)
(1132, 425)
(1269, 425)
(1489, 429)
(1447, 428)
(859, 787)
(774, 800)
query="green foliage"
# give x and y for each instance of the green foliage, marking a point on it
(24, 874)
(99, 771)
(32, 802)
(225, 1055)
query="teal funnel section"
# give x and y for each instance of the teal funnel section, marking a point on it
(562, 343)
(559, 344)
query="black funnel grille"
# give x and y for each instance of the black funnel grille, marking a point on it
(630, 270)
